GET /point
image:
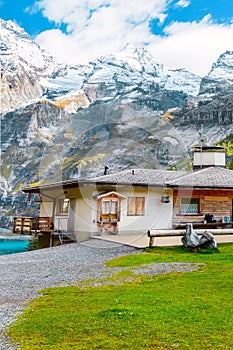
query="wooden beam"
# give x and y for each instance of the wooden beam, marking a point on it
(152, 234)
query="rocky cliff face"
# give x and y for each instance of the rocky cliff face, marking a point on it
(121, 111)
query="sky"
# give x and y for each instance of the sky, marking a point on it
(189, 34)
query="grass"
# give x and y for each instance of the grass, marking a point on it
(191, 310)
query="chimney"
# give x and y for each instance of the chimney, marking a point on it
(207, 156)
(106, 170)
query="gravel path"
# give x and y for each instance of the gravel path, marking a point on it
(23, 275)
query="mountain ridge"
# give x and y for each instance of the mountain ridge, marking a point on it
(37, 71)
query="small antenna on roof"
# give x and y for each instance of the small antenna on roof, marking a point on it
(201, 143)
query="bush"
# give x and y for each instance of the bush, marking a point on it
(33, 243)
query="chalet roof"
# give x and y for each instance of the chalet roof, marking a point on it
(212, 177)
(144, 177)
(140, 177)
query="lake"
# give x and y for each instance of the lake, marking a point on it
(13, 245)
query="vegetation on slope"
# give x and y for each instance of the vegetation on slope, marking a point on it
(227, 143)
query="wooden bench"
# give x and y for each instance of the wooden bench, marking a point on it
(152, 234)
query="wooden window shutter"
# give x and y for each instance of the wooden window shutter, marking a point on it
(136, 206)
(139, 206)
(131, 206)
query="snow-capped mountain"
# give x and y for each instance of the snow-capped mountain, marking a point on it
(126, 77)
(28, 73)
(23, 63)
(139, 59)
(127, 73)
(220, 78)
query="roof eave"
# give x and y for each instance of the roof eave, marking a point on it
(200, 187)
(52, 187)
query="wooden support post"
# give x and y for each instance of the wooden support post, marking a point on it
(151, 242)
(151, 239)
(53, 213)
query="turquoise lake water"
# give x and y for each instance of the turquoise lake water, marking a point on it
(10, 246)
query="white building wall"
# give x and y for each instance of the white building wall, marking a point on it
(46, 209)
(86, 211)
(157, 215)
(61, 221)
(84, 217)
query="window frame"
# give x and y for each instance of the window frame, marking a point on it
(133, 202)
(189, 200)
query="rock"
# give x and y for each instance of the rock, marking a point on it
(207, 240)
(192, 240)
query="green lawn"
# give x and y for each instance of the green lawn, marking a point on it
(191, 310)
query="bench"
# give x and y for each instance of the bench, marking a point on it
(153, 233)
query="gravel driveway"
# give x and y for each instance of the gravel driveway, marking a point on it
(23, 275)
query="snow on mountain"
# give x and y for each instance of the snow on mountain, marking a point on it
(29, 73)
(126, 75)
(23, 63)
(65, 81)
(17, 44)
(139, 59)
(219, 79)
(223, 68)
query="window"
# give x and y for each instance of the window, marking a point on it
(106, 207)
(136, 206)
(109, 210)
(109, 207)
(189, 206)
(63, 206)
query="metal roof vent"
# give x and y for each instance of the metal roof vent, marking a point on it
(106, 170)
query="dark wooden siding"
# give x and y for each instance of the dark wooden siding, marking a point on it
(216, 202)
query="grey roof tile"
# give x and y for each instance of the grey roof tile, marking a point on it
(212, 177)
(150, 177)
